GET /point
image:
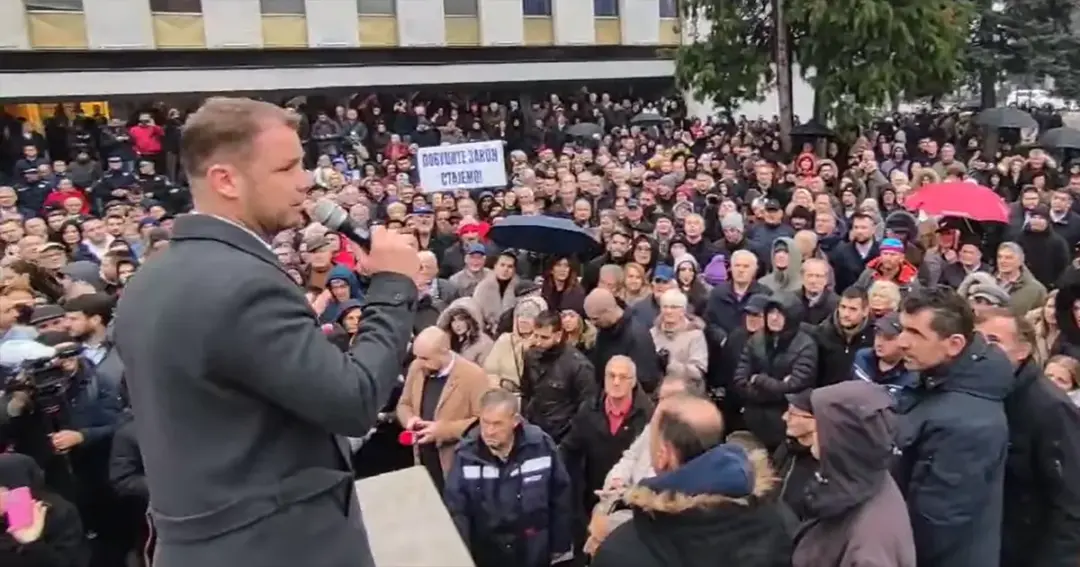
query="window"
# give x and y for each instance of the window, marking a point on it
(282, 7)
(606, 8)
(461, 7)
(669, 9)
(54, 5)
(176, 6)
(537, 7)
(376, 7)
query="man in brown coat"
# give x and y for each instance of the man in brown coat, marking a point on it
(439, 401)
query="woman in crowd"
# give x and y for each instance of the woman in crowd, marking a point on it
(679, 338)
(71, 236)
(636, 286)
(884, 298)
(465, 325)
(505, 362)
(643, 252)
(1064, 372)
(690, 282)
(561, 288)
(578, 331)
(1044, 320)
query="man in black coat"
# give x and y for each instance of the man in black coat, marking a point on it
(557, 379)
(1042, 474)
(242, 404)
(619, 334)
(840, 336)
(849, 259)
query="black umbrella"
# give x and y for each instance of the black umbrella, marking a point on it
(1061, 138)
(1005, 117)
(648, 119)
(813, 129)
(585, 130)
(543, 234)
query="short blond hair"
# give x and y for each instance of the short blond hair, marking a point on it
(226, 126)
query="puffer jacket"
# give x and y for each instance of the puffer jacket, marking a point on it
(708, 508)
(687, 352)
(555, 384)
(478, 344)
(773, 365)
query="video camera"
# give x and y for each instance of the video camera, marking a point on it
(38, 370)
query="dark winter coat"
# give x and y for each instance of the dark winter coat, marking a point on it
(795, 467)
(836, 350)
(822, 309)
(722, 518)
(857, 513)
(1046, 255)
(724, 311)
(953, 438)
(513, 512)
(773, 365)
(628, 338)
(555, 384)
(848, 265)
(1042, 475)
(62, 542)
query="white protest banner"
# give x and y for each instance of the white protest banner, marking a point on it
(476, 165)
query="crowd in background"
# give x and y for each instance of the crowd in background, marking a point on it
(767, 357)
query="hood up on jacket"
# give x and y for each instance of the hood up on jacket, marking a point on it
(793, 311)
(18, 470)
(855, 429)
(344, 307)
(790, 276)
(340, 273)
(465, 305)
(724, 474)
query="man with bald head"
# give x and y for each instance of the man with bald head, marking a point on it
(619, 334)
(704, 501)
(439, 401)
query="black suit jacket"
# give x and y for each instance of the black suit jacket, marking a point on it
(240, 401)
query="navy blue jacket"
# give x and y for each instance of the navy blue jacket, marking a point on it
(516, 512)
(95, 407)
(724, 310)
(898, 381)
(954, 437)
(848, 265)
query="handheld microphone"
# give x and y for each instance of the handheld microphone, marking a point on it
(333, 217)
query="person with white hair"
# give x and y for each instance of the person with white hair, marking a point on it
(680, 337)
(1025, 292)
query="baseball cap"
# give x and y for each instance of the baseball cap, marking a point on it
(664, 273)
(52, 246)
(888, 326)
(315, 242)
(772, 205)
(476, 248)
(423, 210)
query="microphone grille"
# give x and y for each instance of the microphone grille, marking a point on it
(329, 214)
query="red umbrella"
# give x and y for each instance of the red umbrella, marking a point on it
(959, 199)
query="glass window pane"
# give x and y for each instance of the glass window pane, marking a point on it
(461, 8)
(282, 6)
(606, 8)
(537, 7)
(376, 7)
(176, 6)
(54, 5)
(668, 9)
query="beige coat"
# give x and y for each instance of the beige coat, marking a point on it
(458, 407)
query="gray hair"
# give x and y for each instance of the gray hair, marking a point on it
(612, 269)
(691, 385)
(1014, 248)
(744, 254)
(623, 359)
(498, 397)
(674, 298)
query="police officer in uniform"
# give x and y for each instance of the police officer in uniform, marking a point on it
(159, 188)
(114, 183)
(33, 190)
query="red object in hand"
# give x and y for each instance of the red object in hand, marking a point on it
(407, 438)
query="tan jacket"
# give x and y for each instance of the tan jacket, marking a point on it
(458, 407)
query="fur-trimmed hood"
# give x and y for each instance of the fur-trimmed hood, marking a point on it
(466, 304)
(726, 474)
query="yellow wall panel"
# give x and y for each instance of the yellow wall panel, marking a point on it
(179, 31)
(608, 31)
(539, 30)
(284, 31)
(462, 31)
(56, 30)
(378, 31)
(669, 32)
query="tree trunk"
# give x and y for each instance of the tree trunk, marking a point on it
(820, 116)
(783, 75)
(987, 89)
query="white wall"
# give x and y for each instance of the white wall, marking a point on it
(117, 24)
(802, 98)
(502, 22)
(640, 21)
(573, 22)
(13, 32)
(421, 23)
(233, 23)
(331, 23)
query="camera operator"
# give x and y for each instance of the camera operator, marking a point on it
(64, 416)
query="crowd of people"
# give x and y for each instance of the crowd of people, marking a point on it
(767, 358)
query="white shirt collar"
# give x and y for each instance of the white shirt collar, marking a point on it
(240, 226)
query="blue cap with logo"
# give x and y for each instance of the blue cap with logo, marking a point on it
(476, 248)
(663, 273)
